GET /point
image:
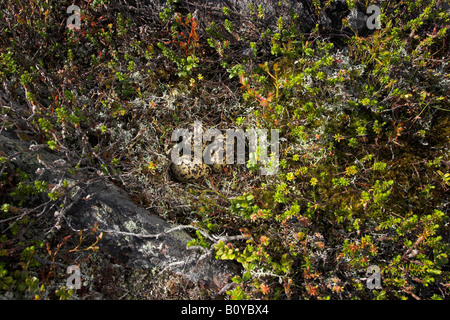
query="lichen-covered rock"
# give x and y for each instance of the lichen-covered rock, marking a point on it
(357, 21)
(111, 209)
(108, 206)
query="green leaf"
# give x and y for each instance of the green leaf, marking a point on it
(246, 276)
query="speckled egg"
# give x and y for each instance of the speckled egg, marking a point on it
(218, 167)
(215, 165)
(189, 171)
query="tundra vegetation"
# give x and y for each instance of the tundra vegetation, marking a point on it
(363, 120)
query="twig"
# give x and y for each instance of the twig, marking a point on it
(418, 241)
(213, 238)
(175, 263)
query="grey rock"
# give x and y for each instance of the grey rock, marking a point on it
(357, 21)
(112, 210)
(27, 161)
(333, 15)
(106, 204)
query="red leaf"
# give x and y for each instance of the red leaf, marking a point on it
(47, 245)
